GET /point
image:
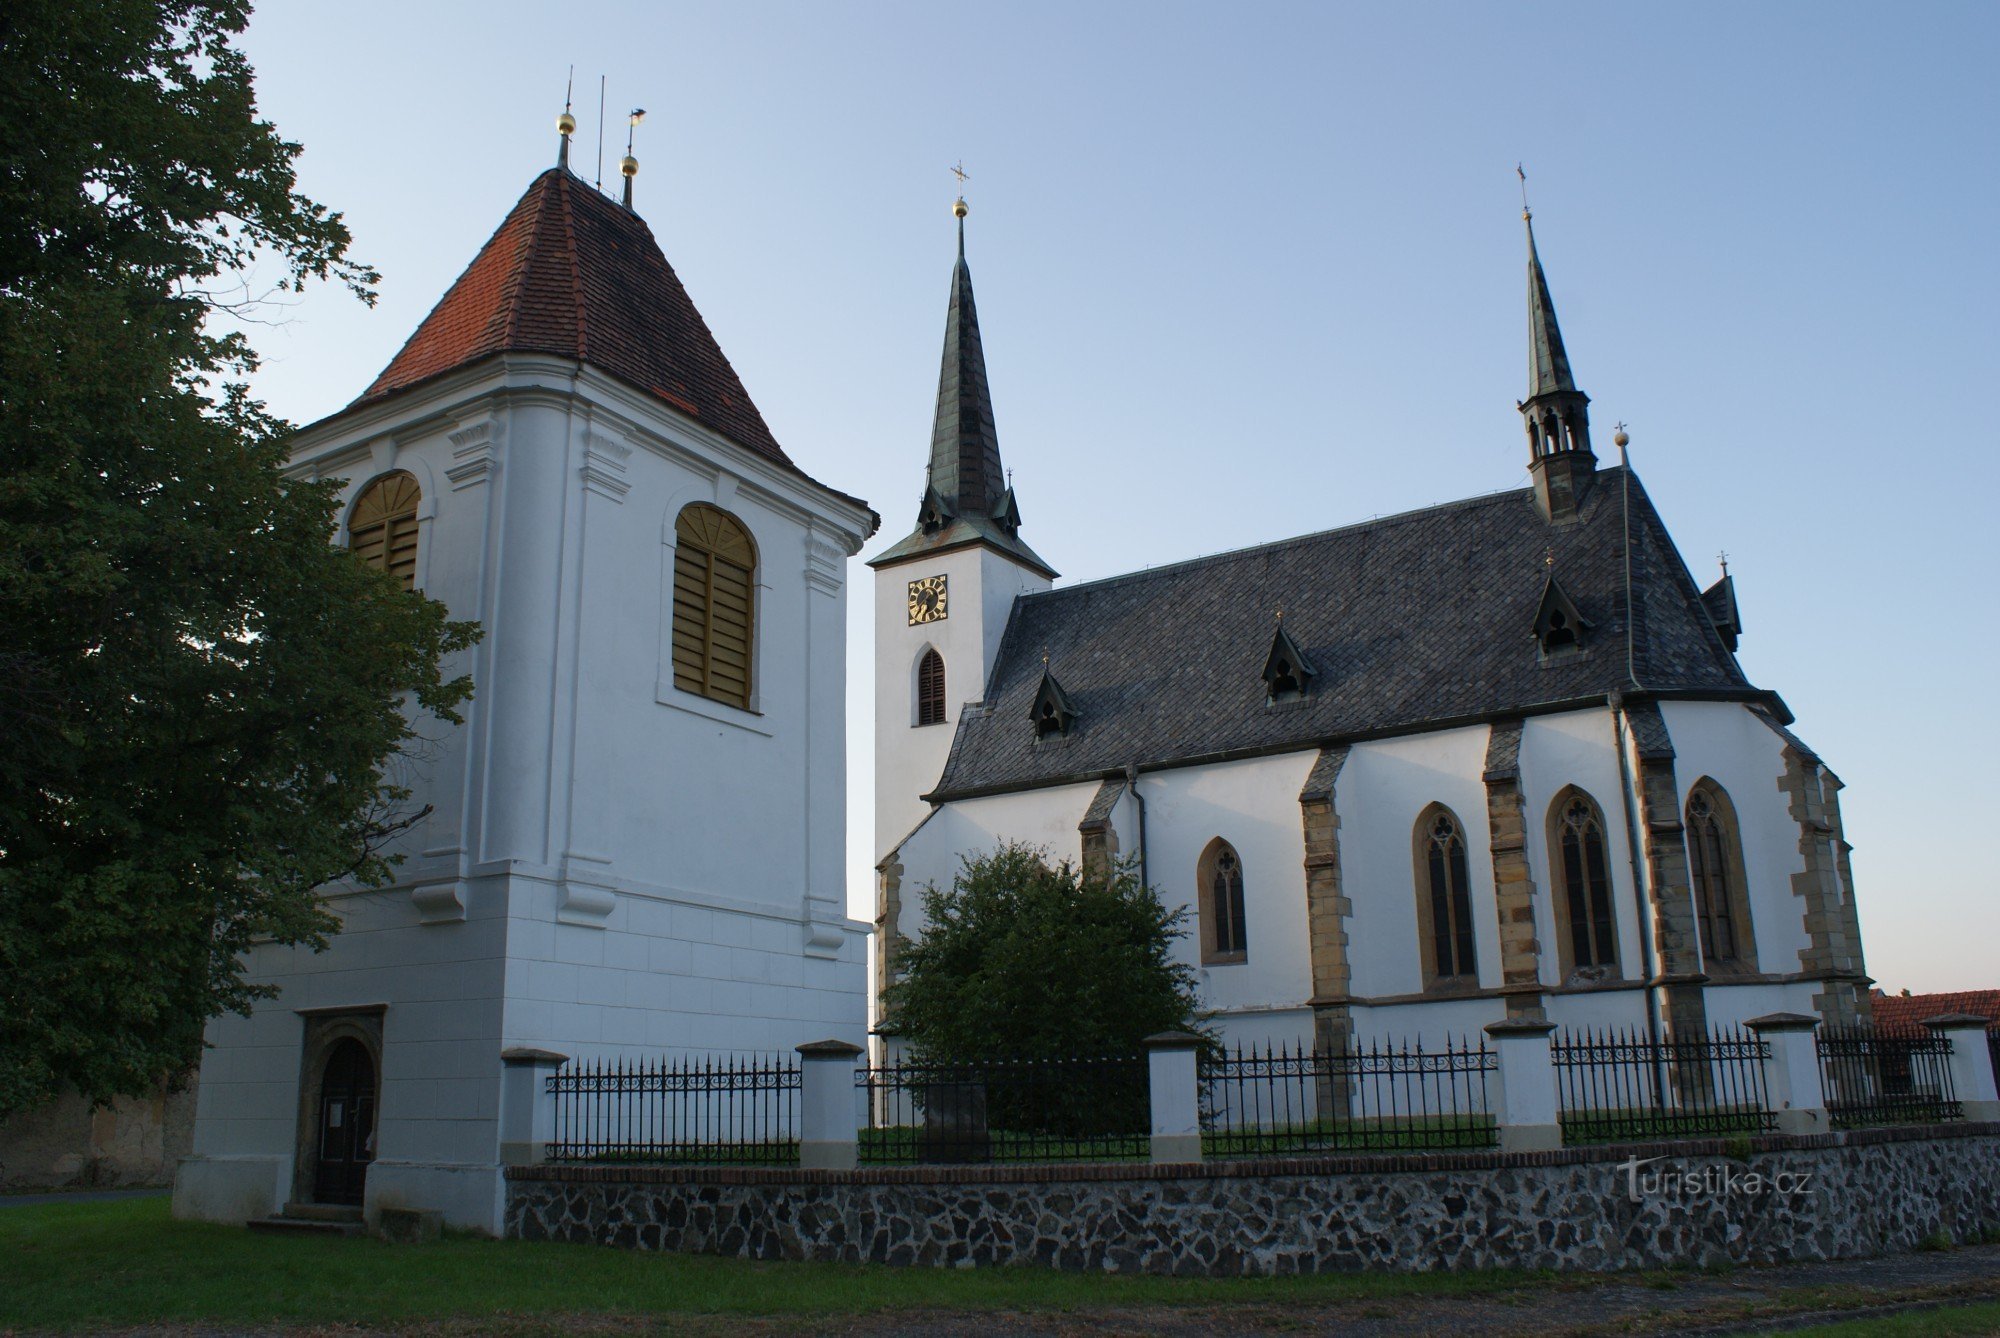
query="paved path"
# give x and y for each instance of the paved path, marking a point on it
(81, 1196)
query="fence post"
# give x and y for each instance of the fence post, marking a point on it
(1176, 1095)
(827, 1137)
(1792, 1081)
(1529, 1113)
(1972, 1079)
(527, 1112)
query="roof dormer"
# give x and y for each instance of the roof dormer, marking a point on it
(1052, 711)
(1559, 626)
(1286, 668)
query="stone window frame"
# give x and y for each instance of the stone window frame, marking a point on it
(1736, 889)
(929, 696)
(1424, 886)
(1214, 952)
(1559, 883)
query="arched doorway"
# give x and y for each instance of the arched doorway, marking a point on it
(346, 1123)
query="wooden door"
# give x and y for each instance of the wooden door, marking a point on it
(346, 1124)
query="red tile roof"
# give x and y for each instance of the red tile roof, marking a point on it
(573, 274)
(1909, 1010)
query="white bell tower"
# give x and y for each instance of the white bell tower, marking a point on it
(946, 589)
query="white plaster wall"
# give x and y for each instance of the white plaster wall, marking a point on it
(1577, 748)
(909, 758)
(1253, 805)
(1382, 789)
(1723, 741)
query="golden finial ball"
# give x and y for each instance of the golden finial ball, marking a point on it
(958, 209)
(565, 124)
(1620, 439)
(629, 165)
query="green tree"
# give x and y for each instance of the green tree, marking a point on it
(1025, 958)
(198, 694)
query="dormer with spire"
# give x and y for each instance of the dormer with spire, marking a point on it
(1556, 413)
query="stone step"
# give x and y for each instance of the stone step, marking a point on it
(302, 1226)
(322, 1212)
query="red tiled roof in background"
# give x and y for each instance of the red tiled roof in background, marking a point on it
(573, 274)
(1905, 1011)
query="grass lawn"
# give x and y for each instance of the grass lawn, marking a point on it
(127, 1262)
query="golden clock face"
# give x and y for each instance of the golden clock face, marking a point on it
(927, 600)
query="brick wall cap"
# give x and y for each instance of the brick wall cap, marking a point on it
(1949, 1021)
(1782, 1022)
(1519, 1026)
(829, 1050)
(1172, 1040)
(523, 1054)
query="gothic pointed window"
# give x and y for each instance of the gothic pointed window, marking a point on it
(715, 605)
(1583, 878)
(382, 528)
(1220, 874)
(1559, 625)
(1444, 897)
(930, 689)
(1715, 868)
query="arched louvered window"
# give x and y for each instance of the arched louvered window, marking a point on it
(382, 528)
(1715, 867)
(1220, 874)
(1444, 897)
(715, 605)
(930, 689)
(1583, 876)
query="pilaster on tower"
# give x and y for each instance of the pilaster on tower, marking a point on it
(1557, 414)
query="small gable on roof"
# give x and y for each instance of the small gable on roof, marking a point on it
(1286, 668)
(1720, 601)
(1051, 711)
(1559, 626)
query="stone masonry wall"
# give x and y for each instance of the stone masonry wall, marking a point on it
(1820, 1197)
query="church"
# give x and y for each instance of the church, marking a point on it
(634, 843)
(1494, 759)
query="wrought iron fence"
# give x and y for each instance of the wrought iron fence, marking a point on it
(1378, 1096)
(1006, 1110)
(740, 1111)
(1614, 1085)
(1874, 1076)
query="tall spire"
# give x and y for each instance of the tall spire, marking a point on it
(965, 474)
(968, 496)
(1556, 413)
(1548, 363)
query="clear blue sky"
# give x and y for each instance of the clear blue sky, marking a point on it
(1251, 271)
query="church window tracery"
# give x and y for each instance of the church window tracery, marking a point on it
(930, 689)
(1444, 911)
(1583, 873)
(715, 593)
(1221, 898)
(1715, 868)
(382, 528)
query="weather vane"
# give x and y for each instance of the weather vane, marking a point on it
(1723, 558)
(958, 205)
(1520, 172)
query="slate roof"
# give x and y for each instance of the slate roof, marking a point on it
(571, 273)
(1413, 621)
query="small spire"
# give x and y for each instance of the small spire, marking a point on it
(1548, 362)
(630, 165)
(566, 123)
